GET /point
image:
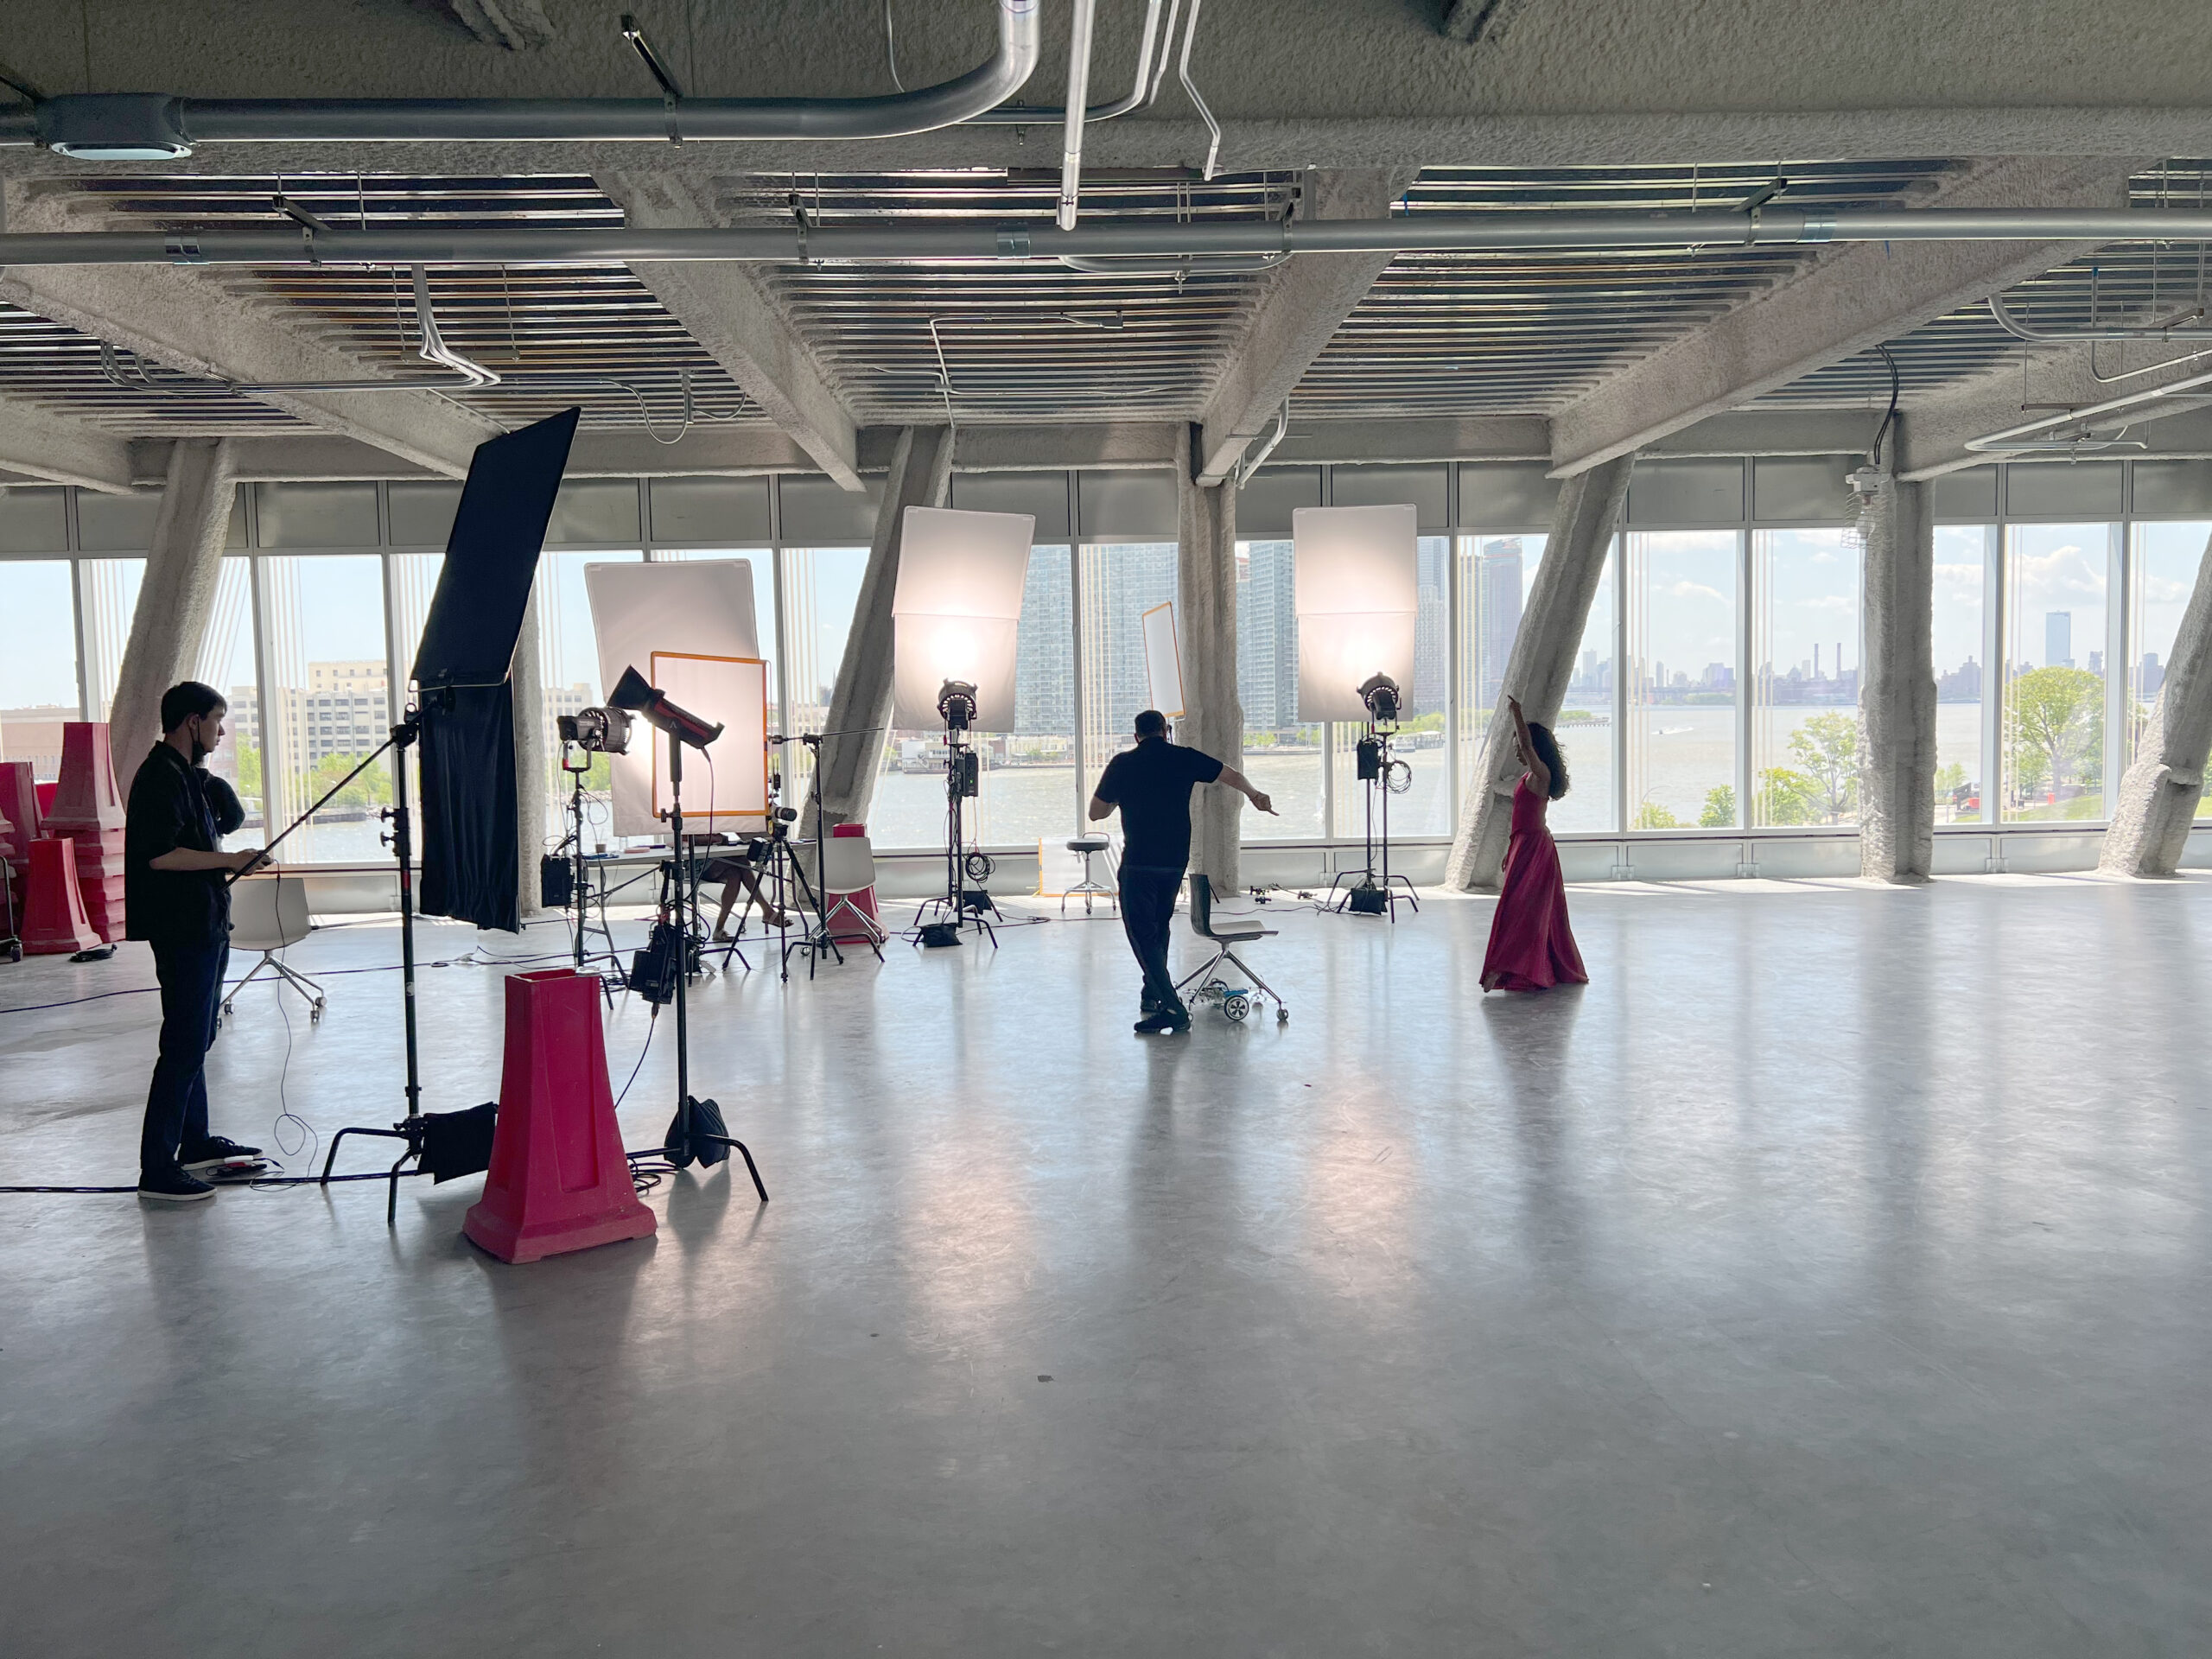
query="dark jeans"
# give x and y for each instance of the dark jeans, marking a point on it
(1147, 905)
(191, 978)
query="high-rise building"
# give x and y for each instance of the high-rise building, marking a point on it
(2153, 675)
(1044, 671)
(1267, 636)
(2059, 639)
(1500, 582)
(1431, 690)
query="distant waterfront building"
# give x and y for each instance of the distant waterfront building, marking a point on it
(1267, 636)
(2152, 676)
(2059, 639)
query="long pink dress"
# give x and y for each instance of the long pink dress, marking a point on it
(1531, 946)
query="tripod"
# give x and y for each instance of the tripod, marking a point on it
(688, 1140)
(1373, 894)
(960, 906)
(818, 936)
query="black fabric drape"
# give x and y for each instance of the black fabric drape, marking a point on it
(470, 842)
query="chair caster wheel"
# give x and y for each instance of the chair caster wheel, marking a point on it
(314, 1014)
(1282, 1016)
(228, 1010)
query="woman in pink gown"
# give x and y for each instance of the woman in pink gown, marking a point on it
(1531, 946)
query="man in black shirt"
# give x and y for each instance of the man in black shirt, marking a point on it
(175, 898)
(1151, 786)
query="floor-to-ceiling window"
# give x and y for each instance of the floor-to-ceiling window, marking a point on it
(1120, 582)
(2056, 578)
(326, 703)
(2165, 557)
(1682, 682)
(1964, 557)
(1283, 755)
(1805, 677)
(226, 661)
(38, 662)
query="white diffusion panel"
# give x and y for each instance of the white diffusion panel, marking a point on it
(1163, 660)
(702, 608)
(1358, 595)
(957, 612)
(733, 792)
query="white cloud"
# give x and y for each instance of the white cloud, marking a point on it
(1698, 590)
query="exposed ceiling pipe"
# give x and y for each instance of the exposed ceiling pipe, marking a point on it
(1243, 470)
(1081, 18)
(155, 126)
(1183, 72)
(2170, 329)
(408, 244)
(1139, 93)
(433, 348)
(1218, 265)
(2030, 436)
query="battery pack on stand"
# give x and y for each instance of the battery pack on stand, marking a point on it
(559, 1180)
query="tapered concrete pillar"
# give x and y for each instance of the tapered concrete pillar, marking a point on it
(533, 753)
(1213, 714)
(176, 597)
(1541, 664)
(920, 476)
(2160, 793)
(1896, 696)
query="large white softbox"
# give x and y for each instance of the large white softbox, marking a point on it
(701, 608)
(957, 612)
(729, 790)
(1163, 659)
(1358, 585)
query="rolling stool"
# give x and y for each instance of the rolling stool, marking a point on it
(1091, 886)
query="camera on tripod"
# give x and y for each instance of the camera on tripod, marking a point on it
(597, 731)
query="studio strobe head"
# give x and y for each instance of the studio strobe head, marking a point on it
(956, 702)
(1383, 700)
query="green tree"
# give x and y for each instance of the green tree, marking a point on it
(1652, 815)
(248, 758)
(1787, 796)
(1949, 779)
(1720, 807)
(1826, 746)
(2054, 721)
(372, 788)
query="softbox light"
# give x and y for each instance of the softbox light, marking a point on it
(957, 612)
(701, 607)
(1163, 659)
(1358, 583)
(734, 692)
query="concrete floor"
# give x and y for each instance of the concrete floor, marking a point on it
(1828, 1277)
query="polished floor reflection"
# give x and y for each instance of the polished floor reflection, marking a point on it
(1829, 1276)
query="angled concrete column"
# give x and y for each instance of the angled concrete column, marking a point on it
(1896, 697)
(533, 752)
(2158, 795)
(1213, 714)
(176, 597)
(920, 476)
(1542, 663)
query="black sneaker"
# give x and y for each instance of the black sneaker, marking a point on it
(1165, 1022)
(216, 1151)
(1147, 1005)
(179, 1188)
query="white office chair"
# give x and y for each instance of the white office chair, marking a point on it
(1087, 848)
(267, 914)
(1227, 934)
(848, 869)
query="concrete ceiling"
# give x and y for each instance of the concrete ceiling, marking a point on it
(1552, 103)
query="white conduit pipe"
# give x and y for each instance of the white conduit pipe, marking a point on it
(1030, 116)
(1080, 21)
(153, 126)
(897, 240)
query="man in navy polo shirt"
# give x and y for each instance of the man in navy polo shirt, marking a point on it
(1151, 786)
(176, 900)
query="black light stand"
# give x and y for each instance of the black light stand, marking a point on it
(402, 842)
(960, 907)
(582, 883)
(1373, 894)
